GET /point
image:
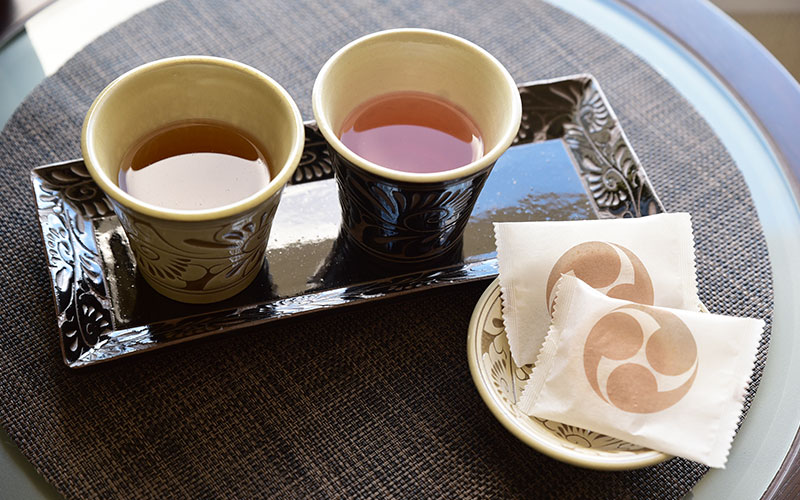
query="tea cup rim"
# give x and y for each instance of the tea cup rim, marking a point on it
(284, 173)
(486, 160)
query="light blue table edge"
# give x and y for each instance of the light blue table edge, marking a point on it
(773, 420)
(21, 73)
(767, 434)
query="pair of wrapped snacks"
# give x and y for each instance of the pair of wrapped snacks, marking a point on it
(608, 313)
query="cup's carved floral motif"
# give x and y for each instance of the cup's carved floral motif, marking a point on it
(404, 222)
(199, 258)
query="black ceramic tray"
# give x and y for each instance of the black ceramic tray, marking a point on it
(570, 160)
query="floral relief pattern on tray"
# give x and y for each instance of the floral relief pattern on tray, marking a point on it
(609, 168)
(68, 201)
(106, 310)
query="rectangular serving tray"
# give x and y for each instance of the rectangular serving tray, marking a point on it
(570, 160)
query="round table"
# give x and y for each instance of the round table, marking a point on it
(746, 96)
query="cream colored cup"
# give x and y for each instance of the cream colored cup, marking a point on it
(195, 256)
(402, 217)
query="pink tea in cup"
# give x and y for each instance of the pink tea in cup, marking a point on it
(412, 132)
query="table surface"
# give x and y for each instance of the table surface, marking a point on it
(746, 96)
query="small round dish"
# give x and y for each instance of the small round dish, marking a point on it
(500, 383)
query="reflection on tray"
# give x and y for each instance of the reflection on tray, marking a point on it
(535, 181)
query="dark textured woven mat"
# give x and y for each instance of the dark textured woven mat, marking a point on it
(373, 401)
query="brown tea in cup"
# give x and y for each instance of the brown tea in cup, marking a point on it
(194, 165)
(412, 132)
(196, 254)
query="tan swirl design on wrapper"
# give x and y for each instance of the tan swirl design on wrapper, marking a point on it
(669, 350)
(606, 267)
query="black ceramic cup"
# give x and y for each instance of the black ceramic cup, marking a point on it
(398, 216)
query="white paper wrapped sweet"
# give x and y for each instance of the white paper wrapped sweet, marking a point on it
(649, 260)
(666, 379)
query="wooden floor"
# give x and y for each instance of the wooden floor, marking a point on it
(779, 33)
(775, 23)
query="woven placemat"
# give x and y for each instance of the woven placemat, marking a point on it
(373, 401)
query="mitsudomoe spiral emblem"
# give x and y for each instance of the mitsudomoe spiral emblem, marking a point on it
(606, 267)
(640, 359)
